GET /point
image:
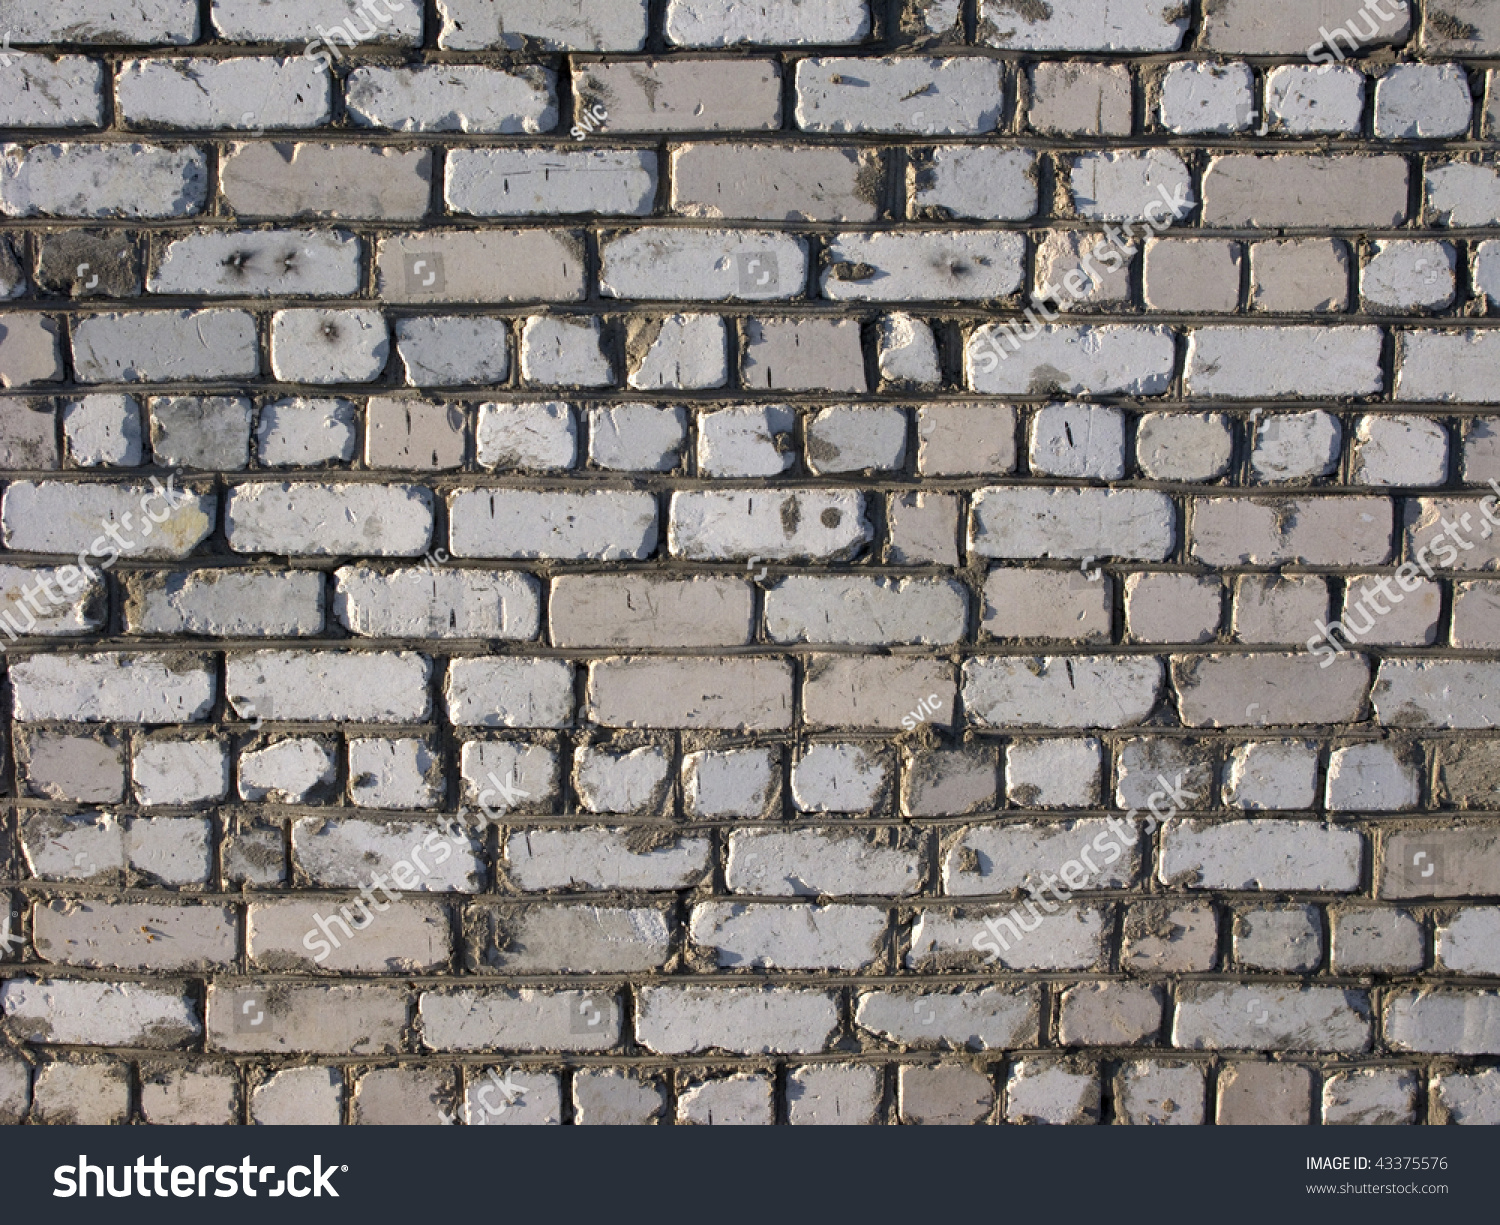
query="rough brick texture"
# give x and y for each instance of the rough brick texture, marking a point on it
(893, 563)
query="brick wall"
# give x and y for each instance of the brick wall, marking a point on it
(620, 561)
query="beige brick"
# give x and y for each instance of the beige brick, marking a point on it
(679, 95)
(1342, 191)
(745, 694)
(773, 182)
(260, 179)
(1299, 274)
(1193, 275)
(642, 611)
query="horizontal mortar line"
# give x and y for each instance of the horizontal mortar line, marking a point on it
(409, 984)
(440, 224)
(784, 130)
(862, 310)
(476, 649)
(519, 821)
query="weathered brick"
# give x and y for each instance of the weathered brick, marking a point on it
(66, 1012)
(740, 1020)
(1278, 855)
(306, 179)
(678, 95)
(725, 23)
(165, 346)
(774, 183)
(524, 182)
(212, 93)
(480, 266)
(328, 520)
(453, 97)
(135, 181)
(1082, 25)
(642, 611)
(725, 694)
(326, 686)
(701, 265)
(900, 95)
(551, 25)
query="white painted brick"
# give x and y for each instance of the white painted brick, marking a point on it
(1311, 101)
(866, 612)
(1072, 523)
(242, 92)
(778, 936)
(312, 520)
(702, 265)
(565, 352)
(1273, 856)
(345, 853)
(916, 267)
(727, 23)
(1126, 186)
(1083, 25)
(1200, 97)
(1109, 359)
(741, 1020)
(1421, 101)
(286, 772)
(180, 771)
(549, 25)
(818, 863)
(900, 95)
(1447, 1022)
(602, 526)
(289, 263)
(113, 687)
(453, 98)
(423, 602)
(1266, 1016)
(69, 1013)
(974, 181)
(678, 351)
(504, 692)
(250, 21)
(730, 782)
(839, 778)
(305, 433)
(1246, 362)
(327, 686)
(1081, 691)
(527, 182)
(741, 1100)
(543, 859)
(108, 180)
(165, 346)
(128, 23)
(1072, 939)
(1000, 859)
(821, 525)
(39, 92)
(531, 1019)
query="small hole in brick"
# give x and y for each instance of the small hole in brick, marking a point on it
(832, 518)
